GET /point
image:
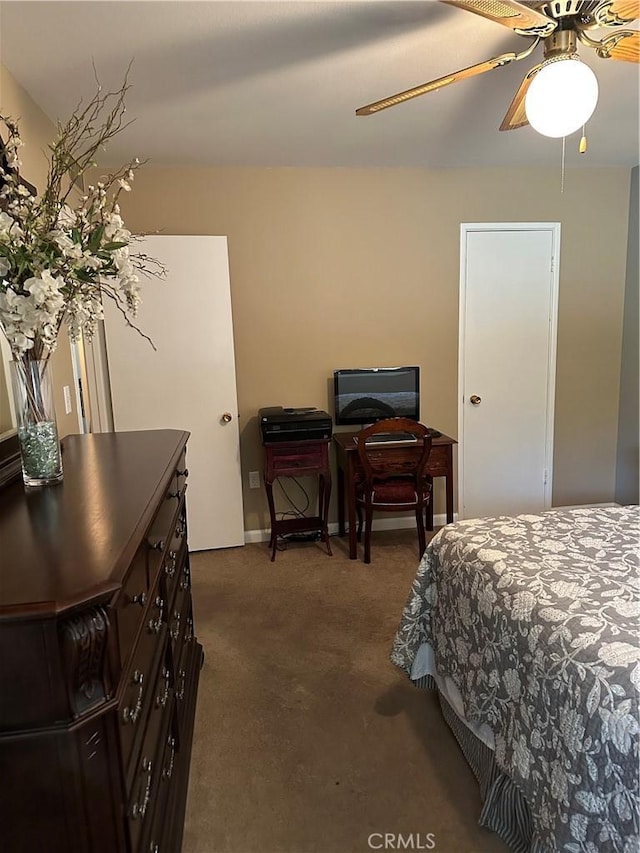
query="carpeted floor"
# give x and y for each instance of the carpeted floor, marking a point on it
(307, 739)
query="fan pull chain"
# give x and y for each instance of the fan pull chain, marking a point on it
(583, 142)
(562, 169)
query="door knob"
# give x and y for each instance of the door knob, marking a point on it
(227, 417)
(475, 400)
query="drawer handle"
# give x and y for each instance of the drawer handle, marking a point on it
(175, 631)
(166, 773)
(188, 631)
(177, 494)
(156, 624)
(130, 715)
(185, 583)
(139, 810)
(184, 473)
(140, 598)
(157, 546)
(161, 699)
(182, 676)
(170, 567)
(153, 847)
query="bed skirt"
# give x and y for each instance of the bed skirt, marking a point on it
(504, 809)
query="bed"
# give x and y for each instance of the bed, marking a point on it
(528, 627)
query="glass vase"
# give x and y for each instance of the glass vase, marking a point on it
(36, 422)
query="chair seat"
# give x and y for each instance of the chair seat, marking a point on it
(393, 492)
(393, 482)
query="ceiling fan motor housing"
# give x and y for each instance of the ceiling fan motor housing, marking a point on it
(560, 42)
(558, 9)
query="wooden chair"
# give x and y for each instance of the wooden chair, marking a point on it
(393, 478)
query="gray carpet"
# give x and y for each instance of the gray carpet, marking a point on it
(307, 739)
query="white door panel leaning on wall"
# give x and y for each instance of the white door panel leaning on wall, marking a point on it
(509, 275)
(189, 382)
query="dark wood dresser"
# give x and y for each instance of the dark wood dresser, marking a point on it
(99, 664)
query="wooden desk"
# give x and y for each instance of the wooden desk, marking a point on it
(440, 464)
(297, 459)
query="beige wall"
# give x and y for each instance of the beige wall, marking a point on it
(37, 132)
(628, 459)
(339, 268)
(343, 268)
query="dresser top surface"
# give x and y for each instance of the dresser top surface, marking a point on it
(62, 544)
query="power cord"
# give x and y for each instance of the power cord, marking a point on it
(295, 512)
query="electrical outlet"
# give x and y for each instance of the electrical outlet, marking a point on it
(67, 400)
(254, 479)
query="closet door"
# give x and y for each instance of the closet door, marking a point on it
(188, 381)
(508, 309)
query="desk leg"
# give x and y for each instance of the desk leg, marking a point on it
(272, 513)
(324, 496)
(351, 509)
(449, 487)
(340, 500)
(429, 512)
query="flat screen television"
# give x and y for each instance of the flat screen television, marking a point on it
(368, 394)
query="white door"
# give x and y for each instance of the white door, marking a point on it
(189, 382)
(508, 309)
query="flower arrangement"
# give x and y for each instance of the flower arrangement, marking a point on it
(59, 259)
(61, 253)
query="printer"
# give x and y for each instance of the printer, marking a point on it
(301, 424)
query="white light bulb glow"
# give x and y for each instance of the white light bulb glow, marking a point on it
(561, 97)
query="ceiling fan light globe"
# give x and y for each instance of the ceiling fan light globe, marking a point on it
(561, 98)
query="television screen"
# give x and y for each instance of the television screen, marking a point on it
(365, 395)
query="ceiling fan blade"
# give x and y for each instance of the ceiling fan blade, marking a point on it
(612, 13)
(515, 116)
(518, 17)
(624, 45)
(471, 71)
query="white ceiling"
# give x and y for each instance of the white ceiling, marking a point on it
(277, 83)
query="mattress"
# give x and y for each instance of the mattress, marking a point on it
(529, 624)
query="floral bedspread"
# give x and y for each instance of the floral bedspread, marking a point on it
(536, 618)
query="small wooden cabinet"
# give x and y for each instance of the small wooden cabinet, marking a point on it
(99, 663)
(297, 459)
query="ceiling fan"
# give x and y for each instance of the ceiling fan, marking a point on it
(559, 25)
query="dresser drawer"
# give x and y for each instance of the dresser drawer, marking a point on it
(175, 557)
(180, 626)
(184, 674)
(140, 681)
(131, 604)
(286, 460)
(439, 460)
(160, 828)
(163, 527)
(145, 783)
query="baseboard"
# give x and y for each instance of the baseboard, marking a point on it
(586, 506)
(251, 536)
(381, 523)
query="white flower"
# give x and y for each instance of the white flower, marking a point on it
(5, 266)
(67, 246)
(619, 654)
(572, 730)
(522, 757)
(523, 603)
(619, 726)
(559, 784)
(486, 599)
(5, 224)
(66, 217)
(511, 681)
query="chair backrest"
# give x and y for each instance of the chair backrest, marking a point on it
(380, 466)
